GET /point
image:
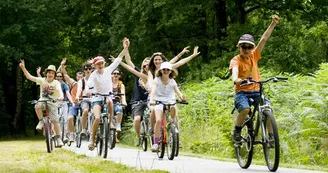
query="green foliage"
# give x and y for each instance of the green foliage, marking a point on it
(300, 107)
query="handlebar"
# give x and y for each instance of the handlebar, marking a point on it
(177, 102)
(250, 81)
(45, 100)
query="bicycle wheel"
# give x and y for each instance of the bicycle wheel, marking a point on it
(47, 134)
(244, 150)
(171, 142)
(78, 129)
(177, 143)
(99, 139)
(271, 146)
(161, 145)
(112, 138)
(144, 136)
(105, 136)
(62, 127)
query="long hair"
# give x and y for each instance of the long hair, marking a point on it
(152, 67)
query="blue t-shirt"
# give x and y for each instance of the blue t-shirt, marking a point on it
(65, 88)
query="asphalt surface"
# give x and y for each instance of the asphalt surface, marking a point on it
(181, 164)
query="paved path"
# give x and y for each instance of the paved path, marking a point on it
(181, 164)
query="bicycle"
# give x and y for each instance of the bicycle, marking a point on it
(262, 114)
(103, 135)
(113, 133)
(169, 132)
(48, 127)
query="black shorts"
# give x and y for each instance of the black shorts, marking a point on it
(138, 108)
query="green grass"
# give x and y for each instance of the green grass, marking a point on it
(29, 155)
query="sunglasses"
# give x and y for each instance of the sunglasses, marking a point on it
(87, 69)
(116, 73)
(166, 69)
(246, 47)
(59, 76)
(144, 66)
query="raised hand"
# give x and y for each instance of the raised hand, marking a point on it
(275, 19)
(196, 51)
(112, 58)
(185, 50)
(63, 62)
(22, 63)
(126, 42)
(38, 70)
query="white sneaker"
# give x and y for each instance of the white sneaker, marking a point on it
(59, 142)
(118, 127)
(154, 148)
(71, 137)
(39, 126)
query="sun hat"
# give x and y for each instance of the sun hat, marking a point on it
(166, 65)
(50, 68)
(246, 38)
(98, 59)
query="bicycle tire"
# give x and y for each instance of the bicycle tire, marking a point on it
(78, 130)
(161, 145)
(171, 142)
(244, 150)
(267, 148)
(112, 138)
(177, 147)
(90, 124)
(99, 139)
(105, 136)
(144, 136)
(47, 134)
(62, 127)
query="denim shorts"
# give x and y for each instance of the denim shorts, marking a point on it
(73, 110)
(118, 108)
(100, 103)
(242, 99)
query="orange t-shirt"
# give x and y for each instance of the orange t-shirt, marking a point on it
(246, 68)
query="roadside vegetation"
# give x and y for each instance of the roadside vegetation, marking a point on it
(29, 155)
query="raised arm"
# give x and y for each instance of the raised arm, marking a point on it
(123, 95)
(133, 71)
(127, 55)
(185, 60)
(267, 33)
(176, 58)
(26, 73)
(117, 60)
(62, 68)
(38, 72)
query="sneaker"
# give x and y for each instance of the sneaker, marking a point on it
(59, 142)
(180, 144)
(83, 133)
(117, 141)
(154, 148)
(39, 126)
(137, 141)
(71, 137)
(236, 136)
(118, 127)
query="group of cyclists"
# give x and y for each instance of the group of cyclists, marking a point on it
(153, 81)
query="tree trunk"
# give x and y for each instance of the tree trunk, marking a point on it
(241, 12)
(18, 98)
(221, 18)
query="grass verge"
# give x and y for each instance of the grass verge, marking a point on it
(29, 155)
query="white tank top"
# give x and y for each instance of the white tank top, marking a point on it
(165, 93)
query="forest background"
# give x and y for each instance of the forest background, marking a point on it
(43, 32)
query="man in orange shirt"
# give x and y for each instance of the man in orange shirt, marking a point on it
(245, 65)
